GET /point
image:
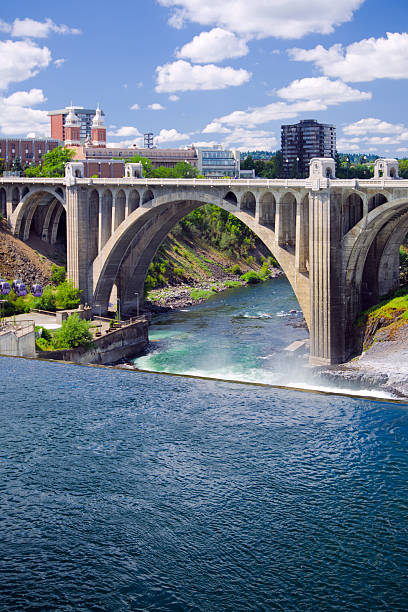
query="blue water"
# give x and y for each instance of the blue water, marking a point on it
(238, 334)
(128, 491)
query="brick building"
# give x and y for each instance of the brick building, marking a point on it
(58, 119)
(29, 150)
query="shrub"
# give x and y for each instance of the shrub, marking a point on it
(73, 333)
(251, 277)
(264, 271)
(58, 275)
(42, 344)
(200, 294)
(67, 296)
(46, 301)
(233, 284)
(235, 269)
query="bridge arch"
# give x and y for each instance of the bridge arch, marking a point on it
(3, 202)
(147, 196)
(133, 200)
(371, 268)
(267, 209)
(376, 200)
(248, 202)
(231, 198)
(120, 205)
(126, 256)
(29, 201)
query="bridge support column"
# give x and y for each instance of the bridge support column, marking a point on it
(78, 238)
(302, 236)
(327, 329)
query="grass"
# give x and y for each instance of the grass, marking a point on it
(396, 306)
(230, 283)
(200, 294)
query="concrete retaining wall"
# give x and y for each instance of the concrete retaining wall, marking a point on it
(129, 341)
(18, 340)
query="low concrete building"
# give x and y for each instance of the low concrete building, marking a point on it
(17, 339)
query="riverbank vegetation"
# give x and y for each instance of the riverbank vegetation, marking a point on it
(59, 295)
(389, 316)
(73, 333)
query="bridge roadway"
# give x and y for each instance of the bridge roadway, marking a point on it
(336, 240)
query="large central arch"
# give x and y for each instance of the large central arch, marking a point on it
(371, 263)
(127, 254)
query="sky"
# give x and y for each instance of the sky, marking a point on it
(205, 71)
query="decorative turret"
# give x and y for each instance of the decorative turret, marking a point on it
(72, 128)
(98, 130)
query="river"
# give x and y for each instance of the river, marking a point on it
(123, 490)
(240, 334)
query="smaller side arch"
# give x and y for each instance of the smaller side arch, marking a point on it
(352, 211)
(15, 198)
(147, 196)
(106, 217)
(231, 198)
(120, 204)
(248, 203)
(3, 202)
(286, 220)
(24, 191)
(267, 209)
(376, 200)
(133, 201)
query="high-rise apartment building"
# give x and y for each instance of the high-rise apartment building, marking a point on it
(303, 141)
(59, 117)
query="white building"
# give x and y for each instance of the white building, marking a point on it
(217, 162)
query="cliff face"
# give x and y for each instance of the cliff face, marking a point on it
(25, 261)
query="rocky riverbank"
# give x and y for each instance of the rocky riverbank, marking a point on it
(184, 296)
(383, 366)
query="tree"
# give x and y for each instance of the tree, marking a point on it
(58, 275)
(403, 167)
(16, 165)
(185, 170)
(53, 163)
(146, 163)
(67, 296)
(73, 333)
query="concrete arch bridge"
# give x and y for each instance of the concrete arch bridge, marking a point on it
(336, 240)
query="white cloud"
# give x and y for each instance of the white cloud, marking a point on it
(366, 60)
(271, 112)
(174, 98)
(244, 140)
(322, 89)
(170, 136)
(213, 46)
(135, 107)
(26, 98)
(265, 18)
(59, 62)
(21, 60)
(4, 26)
(182, 76)
(30, 28)
(155, 106)
(372, 134)
(376, 126)
(205, 143)
(18, 119)
(125, 131)
(303, 95)
(215, 128)
(125, 144)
